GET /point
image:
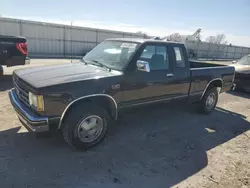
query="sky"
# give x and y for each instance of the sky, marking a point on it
(155, 17)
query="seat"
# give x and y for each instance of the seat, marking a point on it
(157, 62)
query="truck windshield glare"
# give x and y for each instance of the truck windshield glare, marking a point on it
(112, 54)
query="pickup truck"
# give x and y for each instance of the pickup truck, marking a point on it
(82, 99)
(13, 51)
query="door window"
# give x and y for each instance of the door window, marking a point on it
(156, 56)
(180, 62)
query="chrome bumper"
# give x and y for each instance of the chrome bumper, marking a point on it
(28, 118)
(233, 87)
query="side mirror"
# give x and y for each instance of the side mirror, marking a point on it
(143, 66)
(234, 62)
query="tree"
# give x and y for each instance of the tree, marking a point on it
(176, 37)
(217, 39)
(142, 33)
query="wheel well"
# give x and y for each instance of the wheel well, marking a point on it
(216, 83)
(103, 101)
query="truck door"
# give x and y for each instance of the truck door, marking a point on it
(157, 85)
(181, 69)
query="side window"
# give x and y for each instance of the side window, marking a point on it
(156, 56)
(180, 62)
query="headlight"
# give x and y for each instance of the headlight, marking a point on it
(36, 101)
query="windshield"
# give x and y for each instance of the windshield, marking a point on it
(112, 54)
(244, 60)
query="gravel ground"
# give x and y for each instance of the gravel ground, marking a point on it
(157, 147)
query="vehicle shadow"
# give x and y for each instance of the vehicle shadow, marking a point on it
(240, 93)
(153, 147)
(6, 82)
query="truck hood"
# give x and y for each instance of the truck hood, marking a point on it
(64, 73)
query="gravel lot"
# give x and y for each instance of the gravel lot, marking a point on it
(153, 147)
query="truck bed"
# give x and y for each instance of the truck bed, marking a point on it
(203, 73)
(199, 64)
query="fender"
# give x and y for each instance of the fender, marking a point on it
(85, 97)
(209, 84)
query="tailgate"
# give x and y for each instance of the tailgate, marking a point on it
(13, 50)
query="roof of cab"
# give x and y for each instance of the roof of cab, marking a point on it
(141, 40)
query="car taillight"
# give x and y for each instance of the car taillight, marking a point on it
(22, 47)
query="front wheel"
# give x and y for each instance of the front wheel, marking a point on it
(85, 126)
(209, 100)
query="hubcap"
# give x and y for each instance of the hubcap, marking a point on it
(90, 128)
(210, 102)
(247, 89)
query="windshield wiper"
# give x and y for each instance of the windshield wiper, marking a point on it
(100, 64)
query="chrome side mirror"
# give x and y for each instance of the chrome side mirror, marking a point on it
(234, 62)
(143, 66)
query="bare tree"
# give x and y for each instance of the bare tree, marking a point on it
(142, 33)
(217, 39)
(176, 37)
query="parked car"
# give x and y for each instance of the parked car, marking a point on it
(82, 99)
(242, 73)
(13, 51)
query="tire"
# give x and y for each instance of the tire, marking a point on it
(71, 126)
(205, 106)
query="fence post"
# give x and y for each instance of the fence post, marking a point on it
(96, 37)
(234, 51)
(64, 41)
(21, 28)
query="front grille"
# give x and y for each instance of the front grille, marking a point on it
(21, 91)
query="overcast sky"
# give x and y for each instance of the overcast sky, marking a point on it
(156, 17)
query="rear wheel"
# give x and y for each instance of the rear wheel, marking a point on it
(85, 126)
(209, 100)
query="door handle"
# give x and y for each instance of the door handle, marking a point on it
(169, 75)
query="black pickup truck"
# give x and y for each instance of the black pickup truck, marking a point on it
(81, 99)
(13, 51)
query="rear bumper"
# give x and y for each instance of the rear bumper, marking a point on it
(229, 87)
(27, 61)
(233, 87)
(28, 118)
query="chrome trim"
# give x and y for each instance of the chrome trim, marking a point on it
(234, 86)
(219, 67)
(27, 61)
(88, 96)
(158, 100)
(196, 93)
(169, 75)
(209, 84)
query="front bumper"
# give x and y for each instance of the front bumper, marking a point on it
(29, 119)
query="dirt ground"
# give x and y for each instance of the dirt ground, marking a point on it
(155, 147)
